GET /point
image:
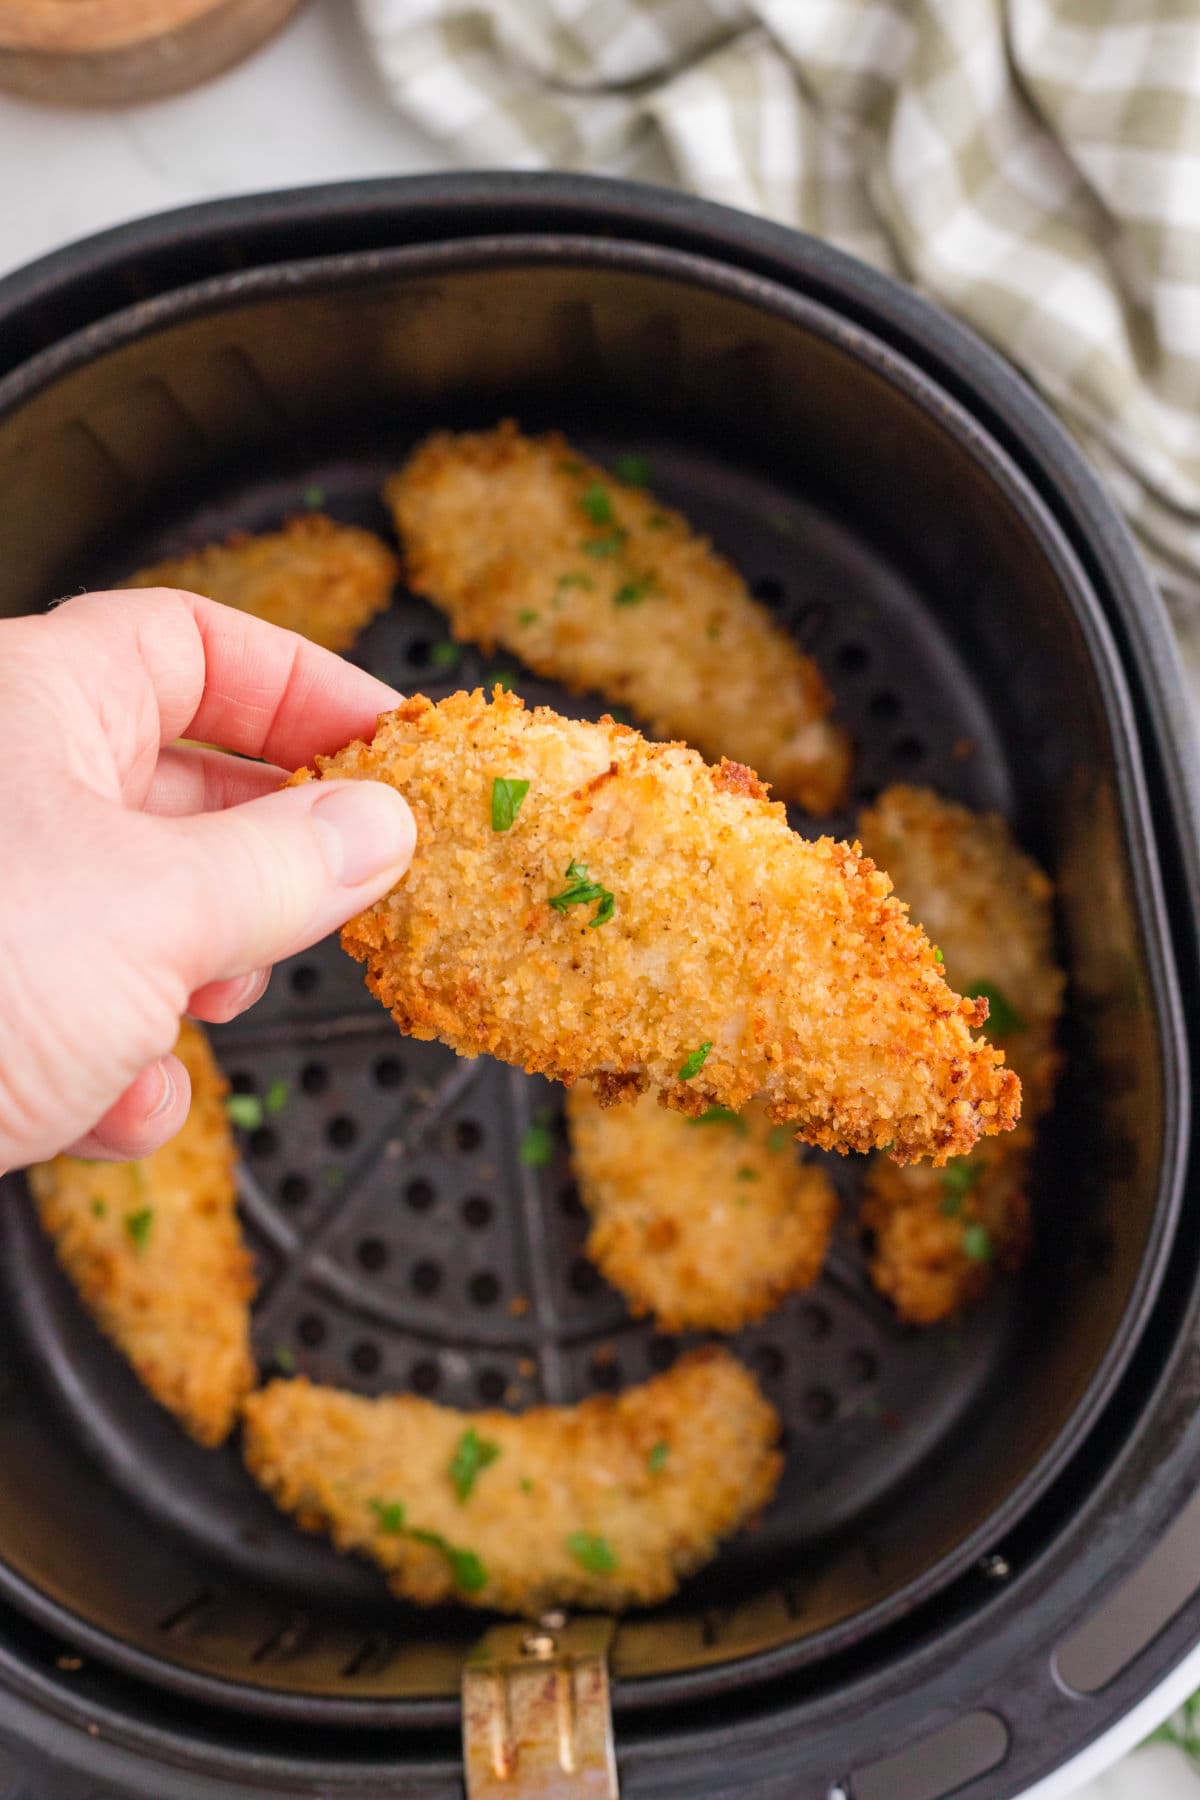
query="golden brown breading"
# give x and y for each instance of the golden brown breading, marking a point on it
(989, 907)
(595, 584)
(608, 1504)
(706, 1223)
(315, 576)
(708, 952)
(156, 1252)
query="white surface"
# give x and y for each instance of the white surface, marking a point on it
(307, 109)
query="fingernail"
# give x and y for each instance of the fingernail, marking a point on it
(167, 1097)
(366, 830)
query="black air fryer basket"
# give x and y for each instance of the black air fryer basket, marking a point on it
(957, 1502)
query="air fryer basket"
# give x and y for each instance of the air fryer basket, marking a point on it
(401, 1241)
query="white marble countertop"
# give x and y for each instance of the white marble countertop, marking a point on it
(307, 109)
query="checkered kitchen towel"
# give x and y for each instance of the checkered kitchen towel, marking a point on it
(1032, 164)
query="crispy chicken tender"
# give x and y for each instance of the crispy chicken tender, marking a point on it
(595, 584)
(705, 1223)
(650, 922)
(608, 1504)
(156, 1253)
(990, 908)
(323, 579)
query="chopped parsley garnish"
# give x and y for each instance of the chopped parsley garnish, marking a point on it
(571, 465)
(937, 954)
(138, 1226)
(658, 521)
(526, 1485)
(656, 1462)
(1003, 1016)
(99, 1209)
(575, 579)
(445, 654)
(245, 1110)
(631, 592)
(471, 1457)
(314, 495)
(466, 1569)
(746, 1173)
(977, 1243)
(527, 616)
(507, 795)
(581, 890)
(499, 678)
(611, 545)
(390, 1515)
(595, 1554)
(334, 1177)
(285, 1359)
(596, 504)
(277, 1095)
(778, 1139)
(537, 1145)
(695, 1062)
(958, 1179)
(620, 715)
(712, 630)
(722, 1115)
(633, 469)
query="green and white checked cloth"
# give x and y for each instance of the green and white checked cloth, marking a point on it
(1034, 165)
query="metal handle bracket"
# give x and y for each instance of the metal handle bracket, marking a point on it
(537, 1713)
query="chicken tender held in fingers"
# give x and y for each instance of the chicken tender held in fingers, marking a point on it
(155, 1250)
(606, 1504)
(704, 1223)
(583, 903)
(322, 579)
(595, 584)
(939, 1238)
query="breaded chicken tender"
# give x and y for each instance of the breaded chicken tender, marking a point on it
(323, 579)
(584, 903)
(156, 1253)
(704, 1223)
(595, 584)
(938, 1238)
(607, 1504)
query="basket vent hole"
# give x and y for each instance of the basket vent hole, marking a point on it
(884, 706)
(570, 1202)
(585, 1277)
(863, 1365)
(306, 979)
(660, 1353)
(425, 1376)
(468, 1135)
(242, 1082)
(477, 1212)
(768, 1359)
(770, 590)
(819, 1405)
(483, 1289)
(311, 1330)
(606, 1371)
(811, 621)
(908, 750)
(418, 653)
(420, 1195)
(372, 1254)
(426, 1278)
(490, 1385)
(314, 1078)
(852, 659)
(294, 1189)
(341, 1132)
(364, 1357)
(263, 1141)
(388, 1072)
(815, 1320)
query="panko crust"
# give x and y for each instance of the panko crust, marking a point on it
(156, 1252)
(705, 1224)
(496, 529)
(789, 960)
(657, 1475)
(990, 908)
(314, 576)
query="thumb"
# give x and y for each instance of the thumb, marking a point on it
(265, 879)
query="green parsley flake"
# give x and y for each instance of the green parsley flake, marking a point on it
(527, 616)
(612, 545)
(285, 1359)
(656, 1462)
(746, 1173)
(138, 1226)
(620, 715)
(630, 593)
(1003, 1016)
(937, 954)
(277, 1095)
(595, 1554)
(658, 521)
(499, 678)
(596, 504)
(958, 1179)
(713, 630)
(537, 1145)
(526, 1485)
(445, 655)
(575, 579)
(778, 1139)
(471, 1457)
(245, 1110)
(390, 1515)
(314, 495)
(99, 1209)
(977, 1243)
(695, 1062)
(468, 1572)
(507, 795)
(581, 891)
(571, 465)
(722, 1115)
(633, 469)
(334, 1177)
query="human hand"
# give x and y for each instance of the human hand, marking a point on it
(141, 879)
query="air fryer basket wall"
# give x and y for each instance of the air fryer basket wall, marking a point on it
(217, 409)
